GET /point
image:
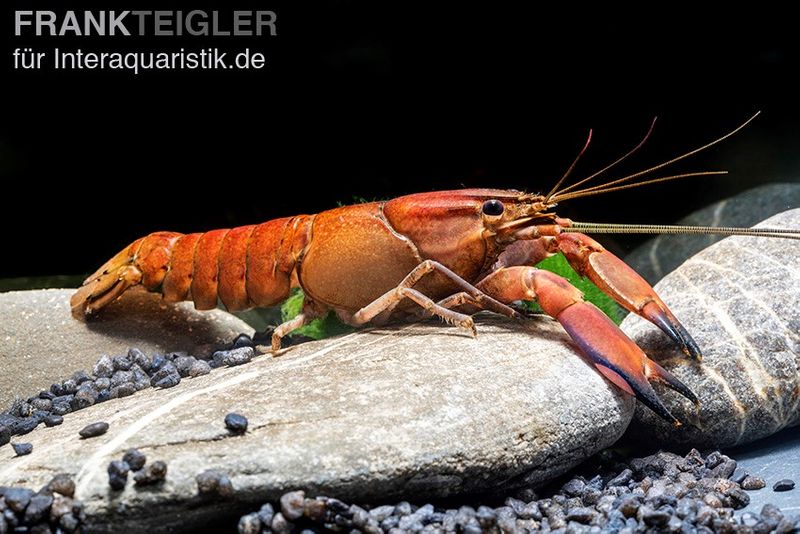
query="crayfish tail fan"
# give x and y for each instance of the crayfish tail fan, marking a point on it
(145, 261)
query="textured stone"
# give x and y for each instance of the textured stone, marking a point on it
(417, 411)
(662, 254)
(41, 343)
(740, 300)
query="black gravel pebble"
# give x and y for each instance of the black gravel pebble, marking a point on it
(112, 377)
(122, 363)
(199, 368)
(22, 449)
(135, 459)
(23, 511)
(783, 485)
(94, 430)
(236, 423)
(184, 364)
(118, 474)
(250, 524)
(739, 475)
(233, 357)
(17, 498)
(123, 390)
(166, 377)
(62, 484)
(292, 505)
(104, 368)
(214, 482)
(751, 482)
(37, 508)
(242, 340)
(139, 358)
(659, 493)
(153, 474)
(158, 362)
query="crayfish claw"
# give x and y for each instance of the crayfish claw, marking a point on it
(668, 324)
(653, 371)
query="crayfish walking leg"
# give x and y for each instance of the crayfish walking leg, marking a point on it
(389, 300)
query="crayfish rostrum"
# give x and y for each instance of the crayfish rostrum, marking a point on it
(444, 253)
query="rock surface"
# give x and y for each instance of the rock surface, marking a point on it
(40, 342)
(740, 300)
(419, 411)
(663, 253)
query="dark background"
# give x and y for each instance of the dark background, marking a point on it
(373, 100)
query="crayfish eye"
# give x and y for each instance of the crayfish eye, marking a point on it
(493, 208)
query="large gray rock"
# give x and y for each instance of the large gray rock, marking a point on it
(40, 342)
(662, 254)
(740, 300)
(420, 411)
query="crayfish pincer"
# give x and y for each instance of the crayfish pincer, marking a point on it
(444, 253)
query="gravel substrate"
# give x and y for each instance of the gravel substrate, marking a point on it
(114, 377)
(659, 493)
(51, 509)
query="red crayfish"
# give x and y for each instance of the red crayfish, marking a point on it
(444, 253)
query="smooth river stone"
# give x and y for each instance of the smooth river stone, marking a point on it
(418, 411)
(740, 300)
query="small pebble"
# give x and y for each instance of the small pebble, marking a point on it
(184, 364)
(17, 498)
(292, 505)
(783, 485)
(62, 484)
(139, 358)
(94, 430)
(123, 390)
(22, 449)
(121, 363)
(104, 368)
(118, 474)
(158, 362)
(166, 377)
(242, 340)
(82, 399)
(42, 404)
(102, 383)
(140, 378)
(121, 377)
(250, 524)
(153, 474)
(237, 424)
(751, 482)
(69, 387)
(199, 368)
(134, 458)
(214, 482)
(233, 357)
(739, 475)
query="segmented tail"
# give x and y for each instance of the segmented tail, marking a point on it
(145, 261)
(243, 267)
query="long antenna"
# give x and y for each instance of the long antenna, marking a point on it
(612, 164)
(571, 167)
(584, 192)
(606, 228)
(591, 191)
